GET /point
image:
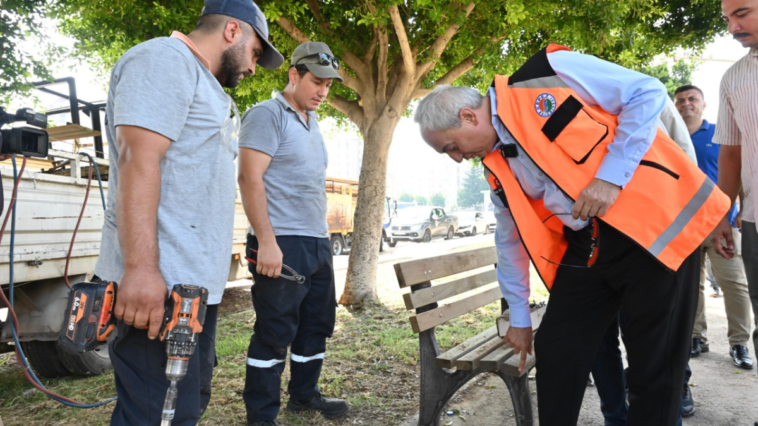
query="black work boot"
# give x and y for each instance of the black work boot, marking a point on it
(688, 404)
(698, 347)
(331, 408)
(741, 357)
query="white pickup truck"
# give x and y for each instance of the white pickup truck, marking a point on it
(48, 207)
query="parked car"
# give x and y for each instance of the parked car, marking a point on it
(422, 224)
(471, 223)
(491, 221)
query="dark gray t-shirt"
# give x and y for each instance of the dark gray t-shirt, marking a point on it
(161, 86)
(296, 178)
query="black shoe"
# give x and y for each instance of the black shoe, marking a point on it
(698, 347)
(741, 357)
(331, 408)
(688, 405)
(269, 423)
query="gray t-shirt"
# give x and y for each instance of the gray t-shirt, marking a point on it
(296, 178)
(161, 86)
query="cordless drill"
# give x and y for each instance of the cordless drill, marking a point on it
(89, 320)
(182, 325)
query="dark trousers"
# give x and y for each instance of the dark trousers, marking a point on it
(610, 377)
(139, 366)
(750, 258)
(288, 313)
(659, 306)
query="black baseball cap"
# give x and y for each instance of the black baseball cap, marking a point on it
(248, 11)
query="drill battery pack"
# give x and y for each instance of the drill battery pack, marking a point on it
(89, 316)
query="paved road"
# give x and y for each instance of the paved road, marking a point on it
(409, 250)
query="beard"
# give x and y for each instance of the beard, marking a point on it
(232, 70)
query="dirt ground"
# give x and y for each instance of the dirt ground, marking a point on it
(723, 394)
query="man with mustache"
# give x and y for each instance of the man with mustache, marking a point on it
(737, 133)
(167, 116)
(282, 177)
(604, 204)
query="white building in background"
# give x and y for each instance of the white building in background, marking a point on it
(345, 151)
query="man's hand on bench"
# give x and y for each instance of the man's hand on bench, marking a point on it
(521, 340)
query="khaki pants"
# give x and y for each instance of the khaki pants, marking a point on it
(730, 276)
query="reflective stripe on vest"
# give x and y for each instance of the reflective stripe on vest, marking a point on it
(668, 207)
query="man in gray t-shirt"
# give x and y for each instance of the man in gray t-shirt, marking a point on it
(168, 118)
(282, 174)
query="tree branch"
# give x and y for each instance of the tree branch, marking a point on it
(381, 65)
(351, 109)
(316, 10)
(292, 30)
(441, 43)
(369, 56)
(402, 37)
(299, 37)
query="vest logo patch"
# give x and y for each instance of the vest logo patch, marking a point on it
(545, 105)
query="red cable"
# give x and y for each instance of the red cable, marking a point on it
(13, 200)
(11, 311)
(81, 214)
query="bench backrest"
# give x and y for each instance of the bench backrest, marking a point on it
(420, 276)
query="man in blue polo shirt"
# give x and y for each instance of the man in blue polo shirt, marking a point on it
(729, 273)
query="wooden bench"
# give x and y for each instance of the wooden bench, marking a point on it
(442, 374)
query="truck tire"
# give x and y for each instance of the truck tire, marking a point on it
(392, 243)
(45, 359)
(338, 244)
(473, 232)
(427, 236)
(450, 233)
(92, 363)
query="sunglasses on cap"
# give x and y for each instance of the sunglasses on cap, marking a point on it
(323, 60)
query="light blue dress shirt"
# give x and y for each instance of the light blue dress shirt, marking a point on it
(636, 98)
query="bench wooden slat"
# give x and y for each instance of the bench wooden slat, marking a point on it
(422, 270)
(496, 358)
(453, 288)
(510, 366)
(536, 315)
(471, 360)
(445, 313)
(447, 359)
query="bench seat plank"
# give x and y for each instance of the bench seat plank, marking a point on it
(422, 270)
(447, 359)
(471, 360)
(443, 314)
(443, 291)
(510, 366)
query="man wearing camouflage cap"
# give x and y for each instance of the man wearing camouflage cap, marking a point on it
(282, 174)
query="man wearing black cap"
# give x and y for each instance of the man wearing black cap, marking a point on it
(282, 173)
(167, 116)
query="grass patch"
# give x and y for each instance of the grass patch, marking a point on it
(371, 361)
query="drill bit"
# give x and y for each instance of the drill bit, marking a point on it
(169, 405)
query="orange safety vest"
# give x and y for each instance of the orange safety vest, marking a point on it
(668, 207)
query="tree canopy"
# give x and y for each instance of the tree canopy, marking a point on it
(474, 183)
(437, 199)
(21, 22)
(678, 75)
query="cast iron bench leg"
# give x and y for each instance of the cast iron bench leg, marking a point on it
(437, 386)
(520, 395)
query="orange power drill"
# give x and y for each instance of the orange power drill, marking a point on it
(89, 320)
(182, 325)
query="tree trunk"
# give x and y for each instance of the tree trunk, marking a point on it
(367, 228)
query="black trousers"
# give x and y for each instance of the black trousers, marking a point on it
(288, 313)
(750, 257)
(139, 365)
(659, 308)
